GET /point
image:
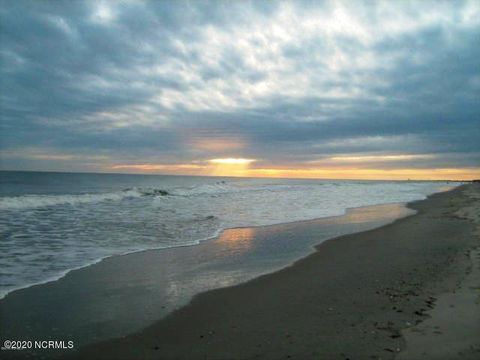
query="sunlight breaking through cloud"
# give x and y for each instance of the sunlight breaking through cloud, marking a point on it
(293, 83)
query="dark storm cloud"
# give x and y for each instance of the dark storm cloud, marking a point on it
(291, 82)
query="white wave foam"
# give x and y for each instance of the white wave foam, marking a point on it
(38, 201)
(96, 259)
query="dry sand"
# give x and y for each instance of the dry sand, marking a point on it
(352, 299)
(453, 329)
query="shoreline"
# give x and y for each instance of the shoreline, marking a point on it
(233, 177)
(213, 237)
(88, 296)
(214, 324)
(290, 229)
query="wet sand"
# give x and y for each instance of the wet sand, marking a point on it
(351, 299)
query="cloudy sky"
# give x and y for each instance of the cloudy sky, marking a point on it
(329, 89)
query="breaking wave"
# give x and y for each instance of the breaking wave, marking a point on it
(38, 201)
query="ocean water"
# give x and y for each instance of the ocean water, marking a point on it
(51, 223)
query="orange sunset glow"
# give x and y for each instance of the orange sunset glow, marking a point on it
(239, 167)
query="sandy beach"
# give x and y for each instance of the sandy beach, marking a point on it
(393, 291)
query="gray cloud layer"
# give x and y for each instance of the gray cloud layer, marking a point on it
(88, 84)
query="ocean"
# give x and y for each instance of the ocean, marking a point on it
(51, 223)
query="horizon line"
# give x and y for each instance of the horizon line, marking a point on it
(234, 176)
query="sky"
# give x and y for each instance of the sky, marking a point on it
(310, 89)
